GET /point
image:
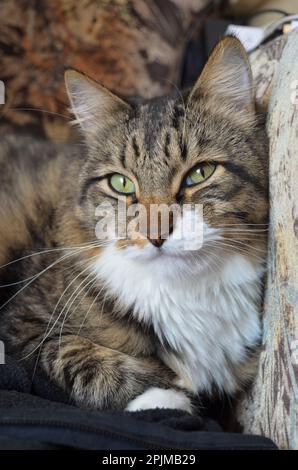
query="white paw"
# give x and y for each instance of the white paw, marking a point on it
(160, 398)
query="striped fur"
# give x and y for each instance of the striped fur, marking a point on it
(111, 322)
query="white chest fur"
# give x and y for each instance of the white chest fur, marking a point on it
(205, 320)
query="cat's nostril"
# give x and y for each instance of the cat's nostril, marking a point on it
(156, 242)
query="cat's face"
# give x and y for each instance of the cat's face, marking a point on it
(201, 155)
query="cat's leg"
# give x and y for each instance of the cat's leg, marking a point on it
(103, 378)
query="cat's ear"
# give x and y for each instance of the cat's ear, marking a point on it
(94, 106)
(227, 75)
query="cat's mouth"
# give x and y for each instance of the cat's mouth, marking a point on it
(148, 251)
(174, 246)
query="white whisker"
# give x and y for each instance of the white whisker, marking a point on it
(38, 275)
(47, 333)
(71, 301)
(46, 250)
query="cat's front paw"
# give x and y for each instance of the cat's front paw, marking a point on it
(160, 398)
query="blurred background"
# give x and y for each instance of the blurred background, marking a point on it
(136, 48)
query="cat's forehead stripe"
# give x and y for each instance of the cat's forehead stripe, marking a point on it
(178, 113)
(123, 154)
(135, 147)
(155, 129)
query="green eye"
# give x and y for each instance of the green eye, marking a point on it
(122, 184)
(199, 174)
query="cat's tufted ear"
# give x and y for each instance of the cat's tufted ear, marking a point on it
(94, 106)
(227, 75)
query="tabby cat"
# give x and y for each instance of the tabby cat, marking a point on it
(139, 322)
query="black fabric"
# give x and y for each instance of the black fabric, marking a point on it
(37, 415)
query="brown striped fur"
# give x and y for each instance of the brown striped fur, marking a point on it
(48, 196)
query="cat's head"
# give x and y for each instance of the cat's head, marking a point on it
(203, 150)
